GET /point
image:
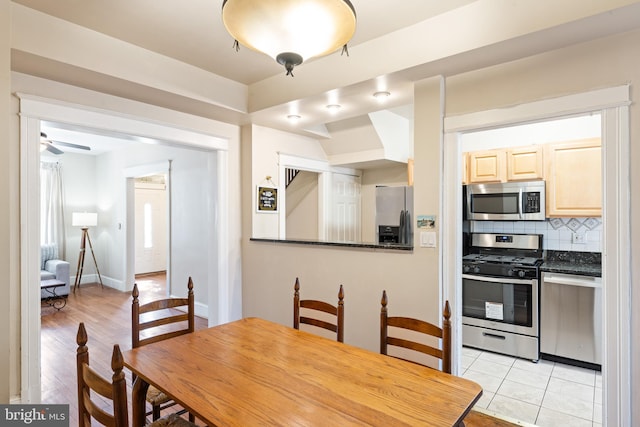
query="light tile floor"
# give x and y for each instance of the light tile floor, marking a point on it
(543, 394)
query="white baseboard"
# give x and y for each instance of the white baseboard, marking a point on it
(106, 281)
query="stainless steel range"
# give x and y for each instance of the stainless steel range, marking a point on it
(500, 294)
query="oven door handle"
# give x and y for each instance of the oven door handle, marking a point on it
(532, 282)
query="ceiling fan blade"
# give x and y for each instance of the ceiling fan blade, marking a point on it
(49, 147)
(68, 144)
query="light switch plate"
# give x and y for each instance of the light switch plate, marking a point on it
(428, 239)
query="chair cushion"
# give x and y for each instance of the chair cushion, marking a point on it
(46, 275)
(173, 420)
(156, 397)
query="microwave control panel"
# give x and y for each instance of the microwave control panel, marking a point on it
(531, 202)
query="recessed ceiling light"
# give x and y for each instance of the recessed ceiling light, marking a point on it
(381, 94)
(334, 107)
(293, 117)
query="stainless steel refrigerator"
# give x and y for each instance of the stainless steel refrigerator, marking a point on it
(394, 215)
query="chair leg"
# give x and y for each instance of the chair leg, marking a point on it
(156, 412)
(192, 417)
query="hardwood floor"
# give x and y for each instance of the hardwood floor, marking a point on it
(106, 314)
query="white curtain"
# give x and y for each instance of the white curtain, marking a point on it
(52, 206)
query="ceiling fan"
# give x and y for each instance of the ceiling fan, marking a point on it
(49, 145)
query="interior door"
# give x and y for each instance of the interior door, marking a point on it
(150, 228)
(345, 218)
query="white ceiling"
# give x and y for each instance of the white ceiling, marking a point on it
(385, 49)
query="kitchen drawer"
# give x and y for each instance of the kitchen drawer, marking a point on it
(498, 341)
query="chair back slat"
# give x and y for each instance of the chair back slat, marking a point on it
(175, 318)
(337, 326)
(416, 325)
(319, 323)
(161, 337)
(443, 334)
(319, 305)
(164, 304)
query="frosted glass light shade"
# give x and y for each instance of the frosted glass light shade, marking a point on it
(304, 28)
(84, 219)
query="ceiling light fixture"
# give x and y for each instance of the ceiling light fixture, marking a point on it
(293, 117)
(381, 94)
(334, 107)
(290, 31)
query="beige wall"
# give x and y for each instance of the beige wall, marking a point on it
(7, 186)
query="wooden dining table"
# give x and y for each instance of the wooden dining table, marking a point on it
(253, 372)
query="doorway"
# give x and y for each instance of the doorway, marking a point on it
(613, 104)
(223, 238)
(514, 387)
(151, 229)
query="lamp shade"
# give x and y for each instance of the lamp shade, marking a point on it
(290, 31)
(84, 219)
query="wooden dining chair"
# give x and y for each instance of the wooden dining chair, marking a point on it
(336, 326)
(400, 338)
(156, 321)
(91, 385)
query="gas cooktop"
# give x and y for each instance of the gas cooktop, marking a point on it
(502, 259)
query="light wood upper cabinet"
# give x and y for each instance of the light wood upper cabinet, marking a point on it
(525, 163)
(487, 166)
(574, 178)
(514, 164)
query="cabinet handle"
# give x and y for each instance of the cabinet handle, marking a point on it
(500, 337)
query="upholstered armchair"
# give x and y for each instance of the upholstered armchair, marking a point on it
(53, 268)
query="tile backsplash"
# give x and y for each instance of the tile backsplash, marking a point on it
(560, 234)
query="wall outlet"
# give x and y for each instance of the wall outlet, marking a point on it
(579, 238)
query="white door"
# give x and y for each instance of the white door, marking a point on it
(150, 228)
(345, 219)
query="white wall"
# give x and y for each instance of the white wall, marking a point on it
(191, 179)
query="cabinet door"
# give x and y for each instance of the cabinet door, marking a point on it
(487, 166)
(525, 163)
(574, 178)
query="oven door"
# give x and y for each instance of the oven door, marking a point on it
(503, 304)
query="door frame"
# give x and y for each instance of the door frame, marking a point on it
(222, 138)
(613, 103)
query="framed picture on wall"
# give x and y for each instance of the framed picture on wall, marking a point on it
(267, 199)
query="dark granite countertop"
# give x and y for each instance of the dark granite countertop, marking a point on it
(374, 246)
(567, 262)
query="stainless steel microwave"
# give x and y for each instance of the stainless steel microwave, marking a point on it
(508, 201)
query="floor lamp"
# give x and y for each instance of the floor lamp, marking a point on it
(85, 220)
